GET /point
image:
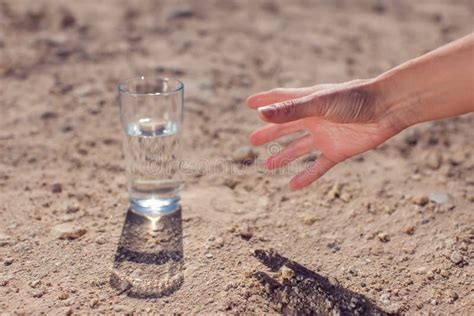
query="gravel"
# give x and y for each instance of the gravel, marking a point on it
(68, 231)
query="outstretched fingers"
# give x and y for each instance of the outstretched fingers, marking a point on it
(279, 95)
(294, 150)
(314, 171)
(273, 131)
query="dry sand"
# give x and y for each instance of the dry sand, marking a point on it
(393, 228)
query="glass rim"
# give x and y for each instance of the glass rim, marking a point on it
(121, 86)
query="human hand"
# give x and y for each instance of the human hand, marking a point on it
(347, 119)
(343, 120)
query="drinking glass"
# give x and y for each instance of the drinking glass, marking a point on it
(151, 111)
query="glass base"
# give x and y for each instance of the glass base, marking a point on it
(154, 207)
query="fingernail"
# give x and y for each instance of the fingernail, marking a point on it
(267, 111)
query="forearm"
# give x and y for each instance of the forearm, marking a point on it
(436, 85)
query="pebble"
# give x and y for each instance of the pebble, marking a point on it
(409, 229)
(385, 299)
(335, 191)
(430, 275)
(452, 295)
(309, 219)
(72, 208)
(286, 273)
(218, 242)
(383, 237)
(345, 197)
(8, 261)
(388, 209)
(38, 294)
(63, 296)
(246, 232)
(34, 284)
(56, 188)
(333, 281)
(444, 273)
(421, 200)
(439, 197)
(100, 240)
(433, 160)
(424, 221)
(456, 257)
(5, 240)
(209, 256)
(68, 231)
(244, 155)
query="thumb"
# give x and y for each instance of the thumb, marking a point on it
(346, 105)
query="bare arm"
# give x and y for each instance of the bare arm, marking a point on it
(436, 85)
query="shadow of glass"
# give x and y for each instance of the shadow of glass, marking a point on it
(149, 258)
(297, 290)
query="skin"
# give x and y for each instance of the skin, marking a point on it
(346, 119)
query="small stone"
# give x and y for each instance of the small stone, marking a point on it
(430, 275)
(218, 242)
(345, 197)
(309, 219)
(383, 237)
(100, 240)
(385, 299)
(63, 296)
(34, 284)
(421, 200)
(72, 208)
(439, 197)
(5, 240)
(244, 155)
(246, 232)
(388, 209)
(286, 273)
(433, 301)
(56, 188)
(444, 273)
(38, 294)
(209, 256)
(421, 270)
(8, 261)
(334, 246)
(335, 191)
(452, 295)
(68, 231)
(456, 257)
(333, 281)
(433, 160)
(94, 303)
(409, 229)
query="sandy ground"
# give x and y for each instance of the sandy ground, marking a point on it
(393, 228)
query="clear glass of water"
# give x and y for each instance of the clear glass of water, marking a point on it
(151, 111)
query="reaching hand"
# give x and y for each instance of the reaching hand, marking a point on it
(347, 119)
(343, 120)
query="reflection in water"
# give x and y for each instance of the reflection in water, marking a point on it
(149, 258)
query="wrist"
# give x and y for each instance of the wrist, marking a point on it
(402, 103)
